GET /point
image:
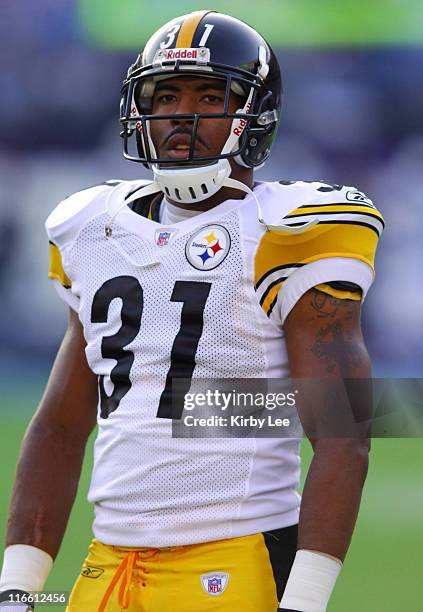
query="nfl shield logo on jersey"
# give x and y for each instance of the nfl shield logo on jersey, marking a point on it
(215, 582)
(162, 238)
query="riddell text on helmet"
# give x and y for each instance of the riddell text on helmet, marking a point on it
(242, 123)
(171, 54)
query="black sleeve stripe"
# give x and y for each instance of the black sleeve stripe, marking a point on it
(272, 305)
(269, 272)
(266, 293)
(344, 286)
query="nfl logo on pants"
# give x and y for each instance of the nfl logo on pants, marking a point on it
(214, 583)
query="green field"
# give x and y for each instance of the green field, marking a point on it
(129, 23)
(383, 572)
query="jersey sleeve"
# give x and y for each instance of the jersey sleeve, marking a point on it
(336, 255)
(62, 282)
(63, 226)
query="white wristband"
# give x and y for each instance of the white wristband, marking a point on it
(25, 567)
(311, 581)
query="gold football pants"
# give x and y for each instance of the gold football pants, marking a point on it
(246, 573)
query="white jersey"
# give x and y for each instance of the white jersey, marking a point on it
(203, 299)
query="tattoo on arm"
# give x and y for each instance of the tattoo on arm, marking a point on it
(335, 345)
(328, 306)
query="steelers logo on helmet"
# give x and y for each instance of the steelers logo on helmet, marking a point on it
(208, 247)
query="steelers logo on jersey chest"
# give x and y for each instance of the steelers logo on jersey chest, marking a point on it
(208, 247)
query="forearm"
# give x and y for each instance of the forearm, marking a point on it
(49, 466)
(45, 487)
(331, 366)
(332, 495)
(328, 514)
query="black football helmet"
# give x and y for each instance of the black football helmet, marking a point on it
(204, 44)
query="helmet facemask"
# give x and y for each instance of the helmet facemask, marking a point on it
(137, 116)
(193, 177)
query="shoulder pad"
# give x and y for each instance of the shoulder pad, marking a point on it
(317, 192)
(71, 214)
(332, 205)
(283, 201)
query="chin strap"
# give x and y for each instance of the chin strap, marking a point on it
(229, 182)
(147, 190)
(144, 191)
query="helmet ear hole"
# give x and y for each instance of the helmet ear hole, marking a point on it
(258, 145)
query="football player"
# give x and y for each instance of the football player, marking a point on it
(199, 273)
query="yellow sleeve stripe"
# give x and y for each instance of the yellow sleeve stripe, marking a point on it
(339, 293)
(187, 31)
(56, 271)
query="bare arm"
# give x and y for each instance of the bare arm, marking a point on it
(324, 341)
(51, 457)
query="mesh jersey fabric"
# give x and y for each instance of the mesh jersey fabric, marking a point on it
(149, 488)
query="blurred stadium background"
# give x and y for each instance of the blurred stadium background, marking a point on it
(353, 114)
